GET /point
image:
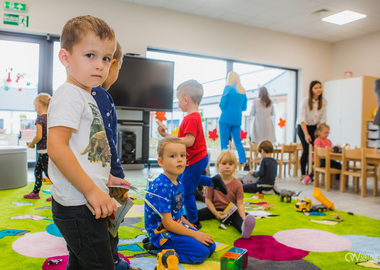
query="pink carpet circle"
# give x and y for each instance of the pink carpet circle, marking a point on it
(313, 240)
(40, 245)
(265, 247)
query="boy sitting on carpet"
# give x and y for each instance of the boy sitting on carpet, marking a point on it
(267, 172)
(168, 228)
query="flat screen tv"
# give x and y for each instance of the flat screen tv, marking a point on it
(144, 84)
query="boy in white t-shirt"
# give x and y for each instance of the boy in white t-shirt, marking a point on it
(79, 165)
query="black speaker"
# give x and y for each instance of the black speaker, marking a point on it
(127, 147)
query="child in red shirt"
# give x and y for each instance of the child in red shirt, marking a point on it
(189, 94)
(321, 141)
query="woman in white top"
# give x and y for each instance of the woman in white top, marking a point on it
(262, 110)
(313, 112)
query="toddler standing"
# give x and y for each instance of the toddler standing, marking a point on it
(41, 105)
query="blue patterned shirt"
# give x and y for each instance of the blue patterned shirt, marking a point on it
(170, 201)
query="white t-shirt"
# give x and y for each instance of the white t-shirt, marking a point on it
(73, 107)
(315, 116)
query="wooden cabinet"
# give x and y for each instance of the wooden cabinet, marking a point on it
(350, 104)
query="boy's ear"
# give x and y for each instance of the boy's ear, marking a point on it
(113, 62)
(159, 161)
(63, 56)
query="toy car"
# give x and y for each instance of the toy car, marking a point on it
(303, 205)
(319, 208)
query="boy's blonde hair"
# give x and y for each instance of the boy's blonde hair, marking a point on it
(118, 54)
(266, 146)
(192, 89)
(226, 156)
(76, 28)
(165, 141)
(43, 99)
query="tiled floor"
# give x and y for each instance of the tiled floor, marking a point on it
(349, 201)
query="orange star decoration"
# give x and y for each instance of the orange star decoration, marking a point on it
(175, 132)
(243, 134)
(160, 116)
(282, 123)
(212, 135)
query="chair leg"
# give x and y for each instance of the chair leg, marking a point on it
(342, 183)
(316, 179)
(328, 181)
(356, 184)
(280, 172)
(364, 186)
(375, 184)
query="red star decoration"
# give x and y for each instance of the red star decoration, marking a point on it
(282, 123)
(243, 134)
(212, 135)
(160, 116)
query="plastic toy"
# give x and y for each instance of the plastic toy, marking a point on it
(231, 261)
(167, 259)
(243, 252)
(288, 195)
(261, 196)
(322, 199)
(303, 205)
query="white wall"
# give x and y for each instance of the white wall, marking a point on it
(360, 55)
(139, 27)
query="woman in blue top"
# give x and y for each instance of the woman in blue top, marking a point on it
(232, 104)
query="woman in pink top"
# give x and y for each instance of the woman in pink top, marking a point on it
(217, 202)
(321, 141)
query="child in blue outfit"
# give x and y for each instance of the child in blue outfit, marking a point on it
(189, 94)
(166, 194)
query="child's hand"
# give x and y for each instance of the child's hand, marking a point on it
(162, 131)
(251, 172)
(101, 202)
(204, 238)
(219, 215)
(30, 145)
(118, 192)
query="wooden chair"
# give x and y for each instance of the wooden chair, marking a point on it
(254, 157)
(361, 171)
(327, 171)
(287, 156)
(310, 159)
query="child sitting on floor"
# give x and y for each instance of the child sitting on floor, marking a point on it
(168, 228)
(216, 201)
(267, 172)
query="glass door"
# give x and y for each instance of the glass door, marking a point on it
(25, 71)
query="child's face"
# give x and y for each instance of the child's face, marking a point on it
(173, 160)
(113, 74)
(226, 168)
(88, 63)
(324, 133)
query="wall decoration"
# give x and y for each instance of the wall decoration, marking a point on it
(212, 134)
(282, 123)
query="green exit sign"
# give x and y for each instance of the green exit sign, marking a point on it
(14, 19)
(14, 6)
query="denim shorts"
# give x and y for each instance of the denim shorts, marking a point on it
(87, 238)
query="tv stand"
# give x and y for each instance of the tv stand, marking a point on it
(133, 125)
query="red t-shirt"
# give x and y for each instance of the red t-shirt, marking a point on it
(322, 143)
(192, 124)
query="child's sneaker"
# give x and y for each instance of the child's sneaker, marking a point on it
(122, 264)
(48, 199)
(247, 226)
(306, 180)
(197, 225)
(32, 195)
(219, 184)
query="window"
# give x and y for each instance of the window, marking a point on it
(281, 84)
(25, 71)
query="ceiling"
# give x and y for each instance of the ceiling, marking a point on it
(293, 17)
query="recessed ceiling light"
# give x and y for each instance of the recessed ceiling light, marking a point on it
(344, 17)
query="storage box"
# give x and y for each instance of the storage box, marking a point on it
(231, 261)
(372, 126)
(243, 252)
(373, 134)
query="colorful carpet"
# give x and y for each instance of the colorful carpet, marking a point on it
(286, 239)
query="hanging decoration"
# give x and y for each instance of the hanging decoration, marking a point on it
(243, 135)
(282, 123)
(160, 116)
(212, 134)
